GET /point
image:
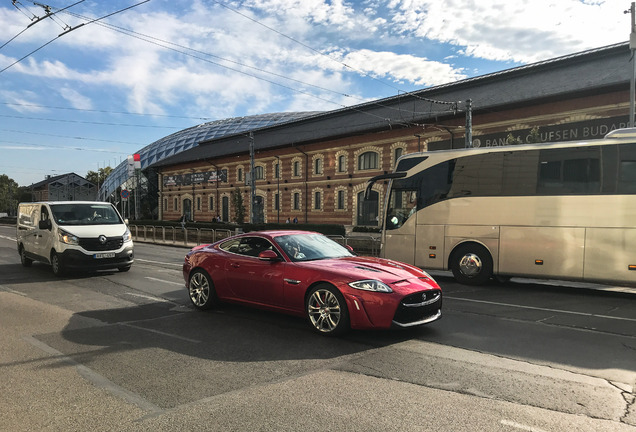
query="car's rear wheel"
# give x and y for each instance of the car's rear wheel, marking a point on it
(23, 258)
(56, 264)
(201, 290)
(327, 311)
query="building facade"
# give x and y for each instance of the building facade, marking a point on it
(315, 169)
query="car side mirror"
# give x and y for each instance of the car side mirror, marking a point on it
(45, 224)
(268, 255)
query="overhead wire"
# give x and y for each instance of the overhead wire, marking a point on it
(69, 30)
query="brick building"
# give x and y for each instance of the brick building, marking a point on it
(315, 167)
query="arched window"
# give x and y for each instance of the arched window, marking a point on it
(258, 172)
(368, 160)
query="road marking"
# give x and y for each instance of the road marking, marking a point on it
(8, 238)
(544, 309)
(164, 281)
(157, 262)
(98, 380)
(520, 426)
(161, 333)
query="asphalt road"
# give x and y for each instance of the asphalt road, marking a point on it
(125, 351)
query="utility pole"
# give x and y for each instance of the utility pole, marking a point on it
(252, 182)
(632, 47)
(469, 123)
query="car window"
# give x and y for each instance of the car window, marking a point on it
(248, 246)
(308, 247)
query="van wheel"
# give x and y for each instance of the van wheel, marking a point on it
(23, 258)
(56, 264)
(471, 264)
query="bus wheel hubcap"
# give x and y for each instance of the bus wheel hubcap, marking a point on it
(470, 264)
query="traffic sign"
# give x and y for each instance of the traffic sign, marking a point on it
(125, 193)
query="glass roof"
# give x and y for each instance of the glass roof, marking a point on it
(190, 137)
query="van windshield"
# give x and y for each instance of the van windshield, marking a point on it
(85, 214)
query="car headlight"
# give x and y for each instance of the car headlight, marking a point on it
(371, 285)
(127, 236)
(68, 238)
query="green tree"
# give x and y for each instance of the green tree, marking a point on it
(98, 177)
(239, 208)
(8, 195)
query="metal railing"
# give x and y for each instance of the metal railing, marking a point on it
(191, 237)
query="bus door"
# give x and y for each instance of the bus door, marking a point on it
(400, 224)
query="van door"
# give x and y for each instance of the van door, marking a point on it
(44, 236)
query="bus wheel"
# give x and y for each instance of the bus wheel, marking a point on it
(471, 264)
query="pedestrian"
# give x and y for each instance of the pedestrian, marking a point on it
(288, 220)
(295, 219)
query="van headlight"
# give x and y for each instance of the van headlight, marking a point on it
(371, 285)
(127, 236)
(68, 238)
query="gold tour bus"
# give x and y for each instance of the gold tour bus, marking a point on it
(554, 210)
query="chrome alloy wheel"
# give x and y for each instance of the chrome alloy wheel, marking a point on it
(470, 264)
(199, 289)
(323, 309)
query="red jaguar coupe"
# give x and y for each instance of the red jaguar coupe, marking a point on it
(307, 274)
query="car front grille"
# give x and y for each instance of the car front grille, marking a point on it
(93, 244)
(418, 307)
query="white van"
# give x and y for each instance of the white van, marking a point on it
(74, 235)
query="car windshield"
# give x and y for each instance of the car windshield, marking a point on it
(309, 247)
(85, 214)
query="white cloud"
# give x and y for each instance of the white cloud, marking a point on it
(76, 99)
(515, 30)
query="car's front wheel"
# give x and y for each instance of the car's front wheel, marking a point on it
(327, 311)
(201, 290)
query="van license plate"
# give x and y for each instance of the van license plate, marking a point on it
(105, 255)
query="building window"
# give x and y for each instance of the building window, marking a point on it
(176, 204)
(239, 174)
(198, 203)
(296, 169)
(341, 200)
(211, 202)
(165, 204)
(296, 202)
(276, 201)
(397, 153)
(342, 163)
(317, 200)
(318, 165)
(277, 170)
(368, 161)
(258, 173)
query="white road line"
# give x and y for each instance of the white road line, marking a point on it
(7, 238)
(161, 333)
(164, 281)
(520, 426)
(543, 309)
(158, 262)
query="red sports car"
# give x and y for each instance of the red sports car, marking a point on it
(307, 274)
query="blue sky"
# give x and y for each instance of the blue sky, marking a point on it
(110, 87)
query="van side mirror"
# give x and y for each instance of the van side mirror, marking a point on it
(45, 224)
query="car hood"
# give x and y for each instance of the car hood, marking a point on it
(359, 268)
(89, 231)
